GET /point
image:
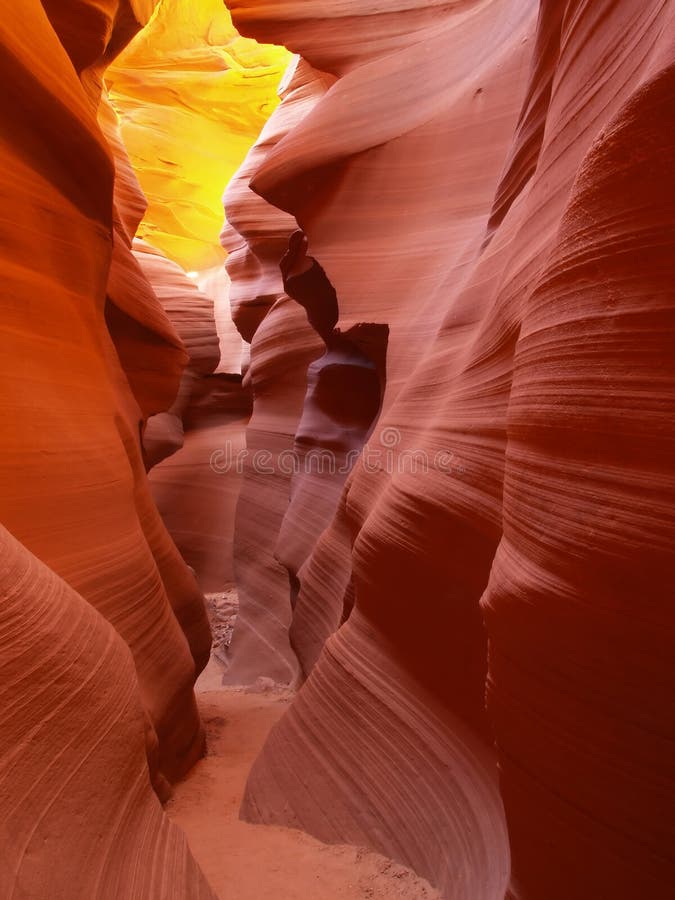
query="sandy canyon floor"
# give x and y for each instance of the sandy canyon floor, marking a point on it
(252, 862)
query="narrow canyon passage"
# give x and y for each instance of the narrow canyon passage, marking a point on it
(337, 483)
(245, 861)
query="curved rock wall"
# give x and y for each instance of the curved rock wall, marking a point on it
(452, 253)
(353, 192)
(192, 315)
(491, 181)
(78, 816)
(104, 628)
(282, 345)
(196, 500)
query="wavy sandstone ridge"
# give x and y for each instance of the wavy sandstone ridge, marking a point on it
(282, 345)
(192, 315)
(73, 755)
(494, 188)
(452, 251)
(210, 410)
(73, 491)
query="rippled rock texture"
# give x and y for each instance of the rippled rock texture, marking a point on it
(102, 625)
(452, 254)
(492, 183)
(283, 344)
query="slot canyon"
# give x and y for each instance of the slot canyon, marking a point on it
(337, 456)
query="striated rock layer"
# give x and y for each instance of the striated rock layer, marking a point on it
(76, 804)
(210, 410)
(192, 315)
(491, 181)
(103, 625)
(283, 343)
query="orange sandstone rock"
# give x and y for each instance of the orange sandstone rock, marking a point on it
(496, 189)
(282, 345)
(73, 491)
(78, 815)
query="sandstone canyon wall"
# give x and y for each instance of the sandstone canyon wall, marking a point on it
(282, 346)
(493, 183)
(209, 411)
(452, 254)
(192, 96)
(103, 626)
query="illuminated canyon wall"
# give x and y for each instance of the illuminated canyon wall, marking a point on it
(102, 625)
(492, 183)
(451, 252)
(283, 344)
(192, 96)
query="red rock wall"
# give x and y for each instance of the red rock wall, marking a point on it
(210, 411)
(78, 816)
(492, 181)
(282, 346)
(103, 625)
(192, 315)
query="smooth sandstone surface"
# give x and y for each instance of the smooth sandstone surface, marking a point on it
(197, 501)
(493, 182)
(78, 815)
(103, 704)
(282, 345)
(451, 253)
(192, 315)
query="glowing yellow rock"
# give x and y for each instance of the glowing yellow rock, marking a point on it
(192, 96)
